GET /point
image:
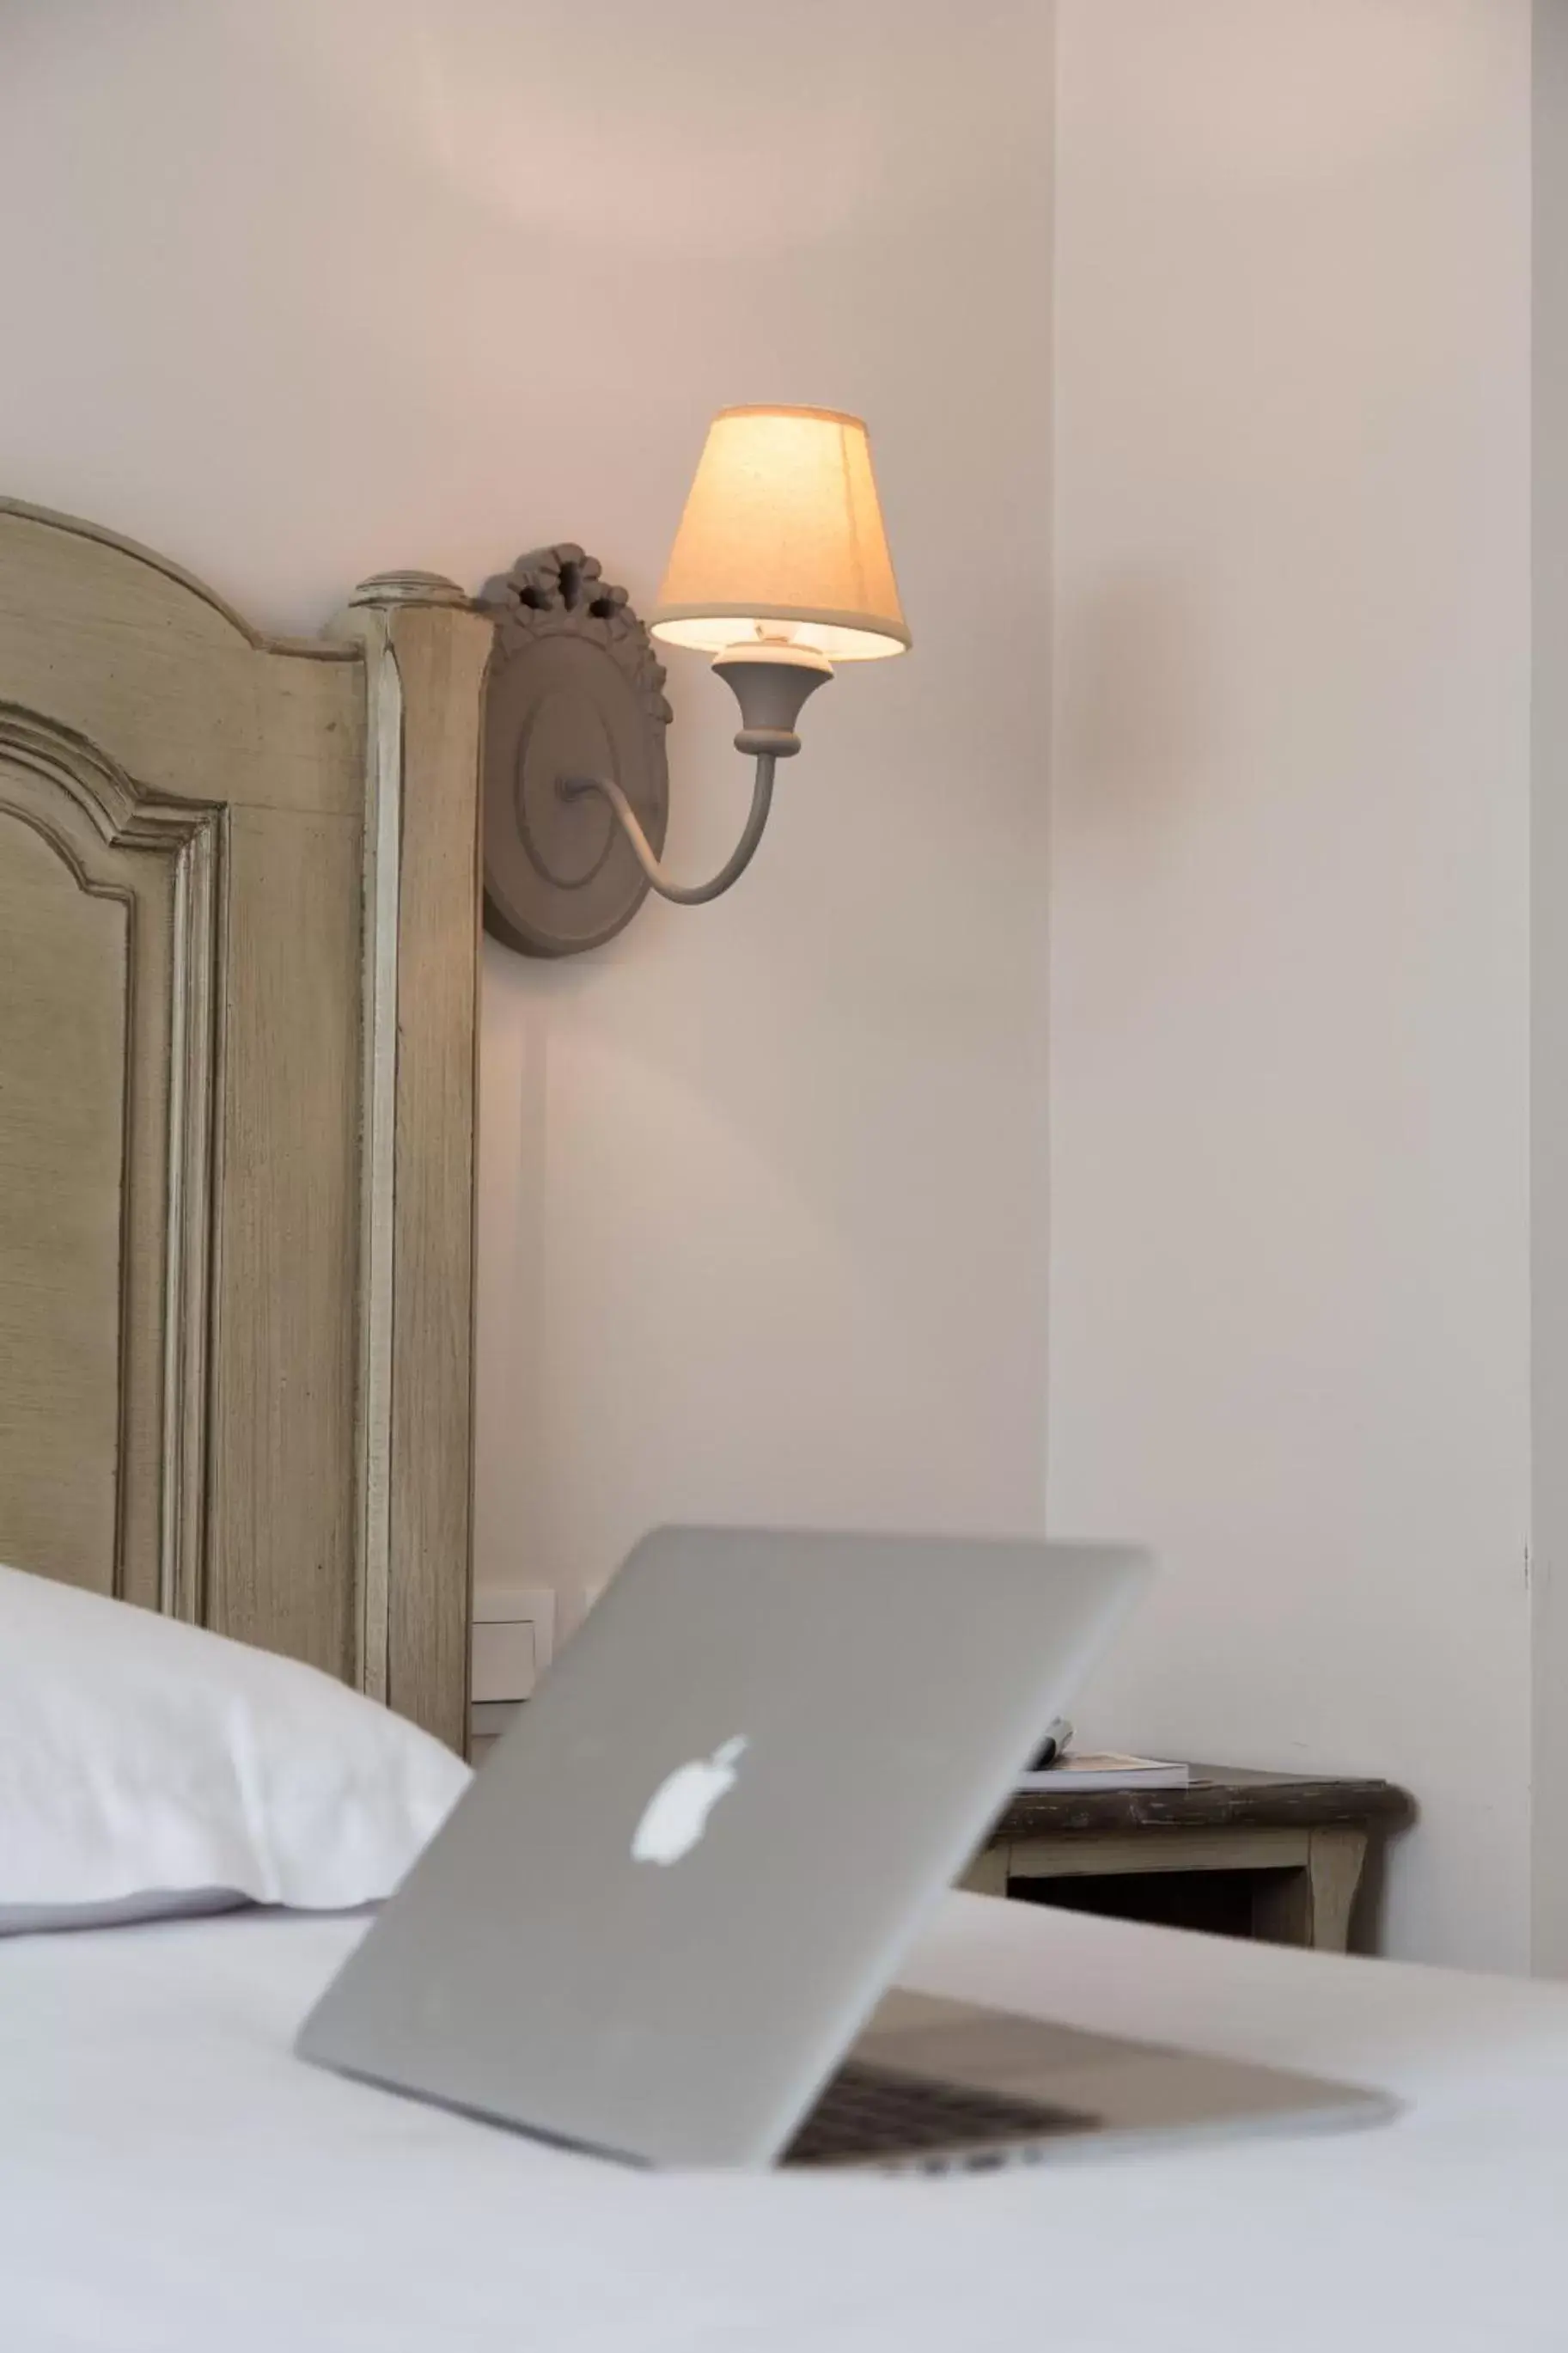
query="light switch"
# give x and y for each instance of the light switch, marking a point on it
(513, 1640)
(505, 1660)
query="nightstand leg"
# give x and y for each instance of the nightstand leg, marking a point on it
(1313, 1906)
(1334, 1867)
(987, 1874)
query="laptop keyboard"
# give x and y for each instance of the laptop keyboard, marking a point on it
(867, 2111)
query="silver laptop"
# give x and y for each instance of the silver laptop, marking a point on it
(659, 1922)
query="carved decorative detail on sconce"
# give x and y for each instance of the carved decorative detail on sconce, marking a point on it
(574, 689)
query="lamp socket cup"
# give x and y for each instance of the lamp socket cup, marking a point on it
(770, 681)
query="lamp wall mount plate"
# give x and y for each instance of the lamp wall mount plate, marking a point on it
(576, 690)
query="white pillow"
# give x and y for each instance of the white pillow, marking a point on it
(149, 1767)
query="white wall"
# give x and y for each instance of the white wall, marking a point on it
(1549, 1025)
(1289, 913)
(295, 294)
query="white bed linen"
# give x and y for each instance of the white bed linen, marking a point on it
(172, 2179)
(145, 1762)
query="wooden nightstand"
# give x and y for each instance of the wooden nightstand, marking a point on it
(1301, 1841)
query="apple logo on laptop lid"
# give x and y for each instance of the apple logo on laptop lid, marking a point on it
(677, 1814)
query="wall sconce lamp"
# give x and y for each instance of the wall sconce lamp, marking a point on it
(780, 570)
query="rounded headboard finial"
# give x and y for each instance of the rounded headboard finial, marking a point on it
(409, 589)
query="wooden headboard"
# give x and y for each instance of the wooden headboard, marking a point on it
(238, 909)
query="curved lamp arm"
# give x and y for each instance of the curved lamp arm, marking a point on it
(693, 894)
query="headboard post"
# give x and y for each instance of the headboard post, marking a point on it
(239, 923)
(426, 651)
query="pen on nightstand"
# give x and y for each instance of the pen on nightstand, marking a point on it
(1053, 1745)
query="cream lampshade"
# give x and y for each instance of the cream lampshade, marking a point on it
(782, 541)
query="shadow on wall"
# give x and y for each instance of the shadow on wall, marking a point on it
(1139, 706)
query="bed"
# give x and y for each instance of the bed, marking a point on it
(172, 2179)
(239, 900)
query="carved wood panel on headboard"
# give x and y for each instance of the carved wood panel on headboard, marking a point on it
(238, 924)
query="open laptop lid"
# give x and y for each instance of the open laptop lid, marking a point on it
(659, 1918)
